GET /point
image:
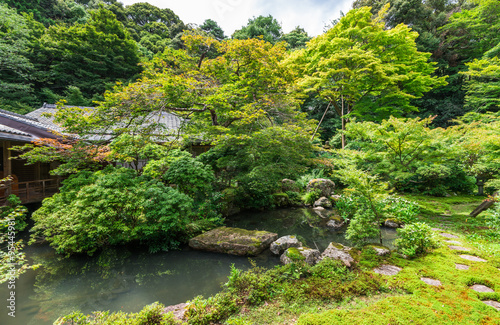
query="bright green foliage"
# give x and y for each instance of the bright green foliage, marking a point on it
(150, 315)
(191, 176)
(483, 84)
(493, 220)
(472, 32)
(364, 69)
(408, 154)
(112, 207)
(156, 168)
(415, 239)
(266, 28)
(401, 209)
(368, 195)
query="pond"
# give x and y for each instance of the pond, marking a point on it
(128, 278)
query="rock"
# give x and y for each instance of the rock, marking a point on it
(461, 266)
(453, 242)
(379, 249)
(481, 288)
(233, 241)
(319, 208)
(335, 198)
(431, 282)
(448, 235)
(323, 202)
(387, 269)
(335, 222)
(472, 258)
(391, 223)
(340, 252)
(281, 200)
(289, 185)
(493, 303)
(325, 186)
(459, 248)
(293, 254)
(283, 243)
(178, 310)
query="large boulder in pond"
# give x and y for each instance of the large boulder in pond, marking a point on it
(296, 254)
(325, 186)
(283, 243)
(233, 241)
(339, 252)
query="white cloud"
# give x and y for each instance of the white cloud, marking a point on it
(312, 15)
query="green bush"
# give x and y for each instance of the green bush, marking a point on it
(311, 196)
(346, 207)
(402, 210)
(110, 207)
(191, 176)
(493, 220)
(415, 239)
(150, 315)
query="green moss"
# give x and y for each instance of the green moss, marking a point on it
(294, 254)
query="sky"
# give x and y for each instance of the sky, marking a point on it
(312, 15)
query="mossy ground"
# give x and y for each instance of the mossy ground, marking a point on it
(404, 298)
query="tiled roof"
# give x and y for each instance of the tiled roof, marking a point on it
(7, 129)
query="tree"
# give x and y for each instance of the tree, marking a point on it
(91, 56)
(267, 28)
(363, 69)
(297, 38)
(213, 29)
(16, 87)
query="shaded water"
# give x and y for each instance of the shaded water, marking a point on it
(127, 279)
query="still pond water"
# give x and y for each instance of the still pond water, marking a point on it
(129, 278)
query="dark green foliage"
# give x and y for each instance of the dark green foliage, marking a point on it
(15, 211)
(212, 28)
(296, 39)
(266, 28)
(112, 207)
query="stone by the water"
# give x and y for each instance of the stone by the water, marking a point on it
(380, 250)
(339, 252)
(432, 282)
(323, 202)
(178, 310)
(493, 303)
(326, 186)
(448, 235)
(387, 269)
(472, 258)
(390, 223)
(233, 241)
(335, 222)
(283, 243)
(309, 255)
(481, 288)
(459, 248)
(461, 266)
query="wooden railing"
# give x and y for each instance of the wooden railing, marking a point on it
(29, 192)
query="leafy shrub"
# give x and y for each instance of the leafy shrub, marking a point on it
(191, 176)
(149, 315)
(415, 239)
(493, 220)
(110, 207)
(346, 207)
(402, 210)
(294, 197)
(303, 180)
(211, 310)
(329, 268)
(311, 196)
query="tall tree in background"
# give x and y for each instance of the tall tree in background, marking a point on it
(91, 56)
(364, 69)
(297, 38)
(267, 28)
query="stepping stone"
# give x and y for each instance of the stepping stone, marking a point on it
(461, 266)
(481, 288)
(448, 235)
(493, 303)
(437, 229)
(453, 242)
(387, 269)
(431, 282)
(472, 258)
(459, 248)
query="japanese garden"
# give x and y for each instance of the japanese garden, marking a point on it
(161, 172)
